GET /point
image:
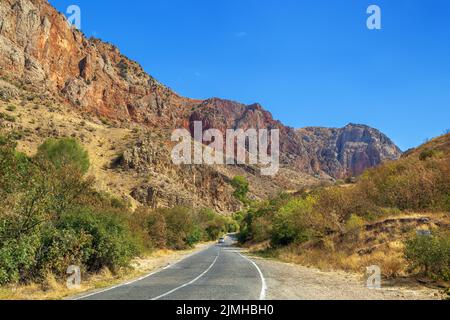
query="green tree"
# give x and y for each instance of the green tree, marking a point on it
(65, 151)
(430, 254)
(241, 188)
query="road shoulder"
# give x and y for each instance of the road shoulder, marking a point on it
(286, 281)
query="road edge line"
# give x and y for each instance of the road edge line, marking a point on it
(262, 295)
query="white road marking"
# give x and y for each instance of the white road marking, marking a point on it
(139, 279)
(262, 295)
(190, 282)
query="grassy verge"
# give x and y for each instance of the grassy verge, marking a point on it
(380, 243)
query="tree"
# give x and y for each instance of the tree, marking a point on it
(241, 188)
(63, 152)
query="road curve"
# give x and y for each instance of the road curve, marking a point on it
(220, 272)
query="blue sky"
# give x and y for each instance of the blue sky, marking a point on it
(309, 62)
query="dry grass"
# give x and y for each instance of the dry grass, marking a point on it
(385, 248)
(390, 260)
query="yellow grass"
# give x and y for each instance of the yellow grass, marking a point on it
(388, 252)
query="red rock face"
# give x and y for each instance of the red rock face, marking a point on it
(350, 150)
(39, 48)
(335, 152)
(37, 45)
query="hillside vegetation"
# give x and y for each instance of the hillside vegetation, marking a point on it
(51, 217)
(373, 221)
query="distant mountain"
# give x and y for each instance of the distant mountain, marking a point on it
(334, 152)
(350, 150)
(44, 61)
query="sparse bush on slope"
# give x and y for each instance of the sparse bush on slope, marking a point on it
(61, 152)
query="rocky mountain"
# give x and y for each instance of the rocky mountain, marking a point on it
(67, 85)
(338, 153)
(348, 151)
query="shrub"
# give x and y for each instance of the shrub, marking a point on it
(241, 188)
(426, 154)
(194, 236)
(409, 184)
(430, 255)
(51, 217)
(65, 151)
(113, 245)
(354, 224)
(179, 224)
(231, 226)
(353, 227)
(215, 228)
(297, 221)
(11, 108)
(62, 247)
(157, 228)
(180, 227)
(7, 117)
(18, 258)
(262, 229)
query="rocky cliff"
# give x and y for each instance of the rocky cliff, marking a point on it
(348, 151)
(338, 153)
(93, 92)
(38, 47)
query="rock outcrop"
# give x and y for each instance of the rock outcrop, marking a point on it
(38, 47)
(337, 153)
(348, 151)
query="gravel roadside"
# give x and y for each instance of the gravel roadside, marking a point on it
(293, 282)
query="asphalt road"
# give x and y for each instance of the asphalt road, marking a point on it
(219, 272)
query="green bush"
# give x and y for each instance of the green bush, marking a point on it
(241, 188)
(353, 227)
(354, 224)
(51, 217)
(180, 227)
(297, 222)
(430, 255)
(18, 258)
(215, 228)
(194, 236)
(427, 154)
(7, 117)
(113, 245)
(63, 152)
(11, 108)
(179, 222)
(262, 229)
(62, 247)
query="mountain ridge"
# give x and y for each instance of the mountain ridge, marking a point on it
(41, 54)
